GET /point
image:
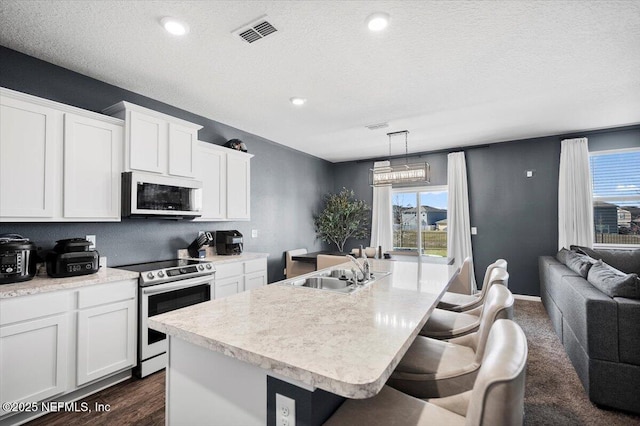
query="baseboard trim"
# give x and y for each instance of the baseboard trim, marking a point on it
(526, 297)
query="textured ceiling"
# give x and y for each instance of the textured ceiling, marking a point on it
(452, 73)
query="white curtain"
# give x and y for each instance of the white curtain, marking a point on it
(458, 222)
(575, 195)
(382, 216)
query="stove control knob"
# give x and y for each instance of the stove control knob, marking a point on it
(150, 275)
(201, 267)
(208, 266)
(160, 274)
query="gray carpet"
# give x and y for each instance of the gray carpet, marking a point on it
(554, 394)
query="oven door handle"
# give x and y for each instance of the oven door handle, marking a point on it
(177, 285)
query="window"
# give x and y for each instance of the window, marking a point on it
(616, 196)
(420, 220)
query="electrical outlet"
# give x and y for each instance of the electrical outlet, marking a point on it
(254, 233)
(474, 230)
(285, 411)
(92, 240)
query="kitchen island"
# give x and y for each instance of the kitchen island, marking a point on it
(228, 357)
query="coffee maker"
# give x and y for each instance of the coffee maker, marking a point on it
(228, 242)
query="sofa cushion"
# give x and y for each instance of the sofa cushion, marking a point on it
(629, 330)
(593, 317)
(579, 263)
(612, 282)
(562, 256)
(555, 285)
(627, 261)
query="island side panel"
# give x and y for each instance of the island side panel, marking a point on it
(207, 387)
(313, 408)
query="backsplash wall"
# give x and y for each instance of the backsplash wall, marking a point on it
(286, 185)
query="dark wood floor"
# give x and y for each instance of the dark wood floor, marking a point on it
(132, 402)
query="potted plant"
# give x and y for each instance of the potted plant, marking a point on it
(343, 217)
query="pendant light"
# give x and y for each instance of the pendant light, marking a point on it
(406, 174)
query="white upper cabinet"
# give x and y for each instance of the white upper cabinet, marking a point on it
(57, 162)
(238, 186)
(148, 148)
(226, 183)
(30, 138)
(182, 146)
(92, 166)
(156, 142)
(212, 171)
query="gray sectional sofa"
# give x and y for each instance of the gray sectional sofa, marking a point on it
(600, 333)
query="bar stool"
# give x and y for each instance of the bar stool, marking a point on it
(461, 283)
(436, 368)
(463, 302)
(444, 324)
(496, 399)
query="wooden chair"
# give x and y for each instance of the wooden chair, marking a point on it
(295, 267)
(328, 260)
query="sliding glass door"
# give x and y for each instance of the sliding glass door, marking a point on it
(420, 220)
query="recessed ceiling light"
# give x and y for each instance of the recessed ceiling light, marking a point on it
(378, 21)
(298, 101)
(173, 26)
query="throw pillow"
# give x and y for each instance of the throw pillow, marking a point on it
(612, 282)
(627, 261)
(579, 263)
(562, 256)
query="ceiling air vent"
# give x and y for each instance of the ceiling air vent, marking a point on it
(377, 126)
(255, 30)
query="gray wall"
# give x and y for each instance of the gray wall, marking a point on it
(516, 216)
(286, 185)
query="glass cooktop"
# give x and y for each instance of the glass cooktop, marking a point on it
(161, 264)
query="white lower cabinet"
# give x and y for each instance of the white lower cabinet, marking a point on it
(239, 276)
(255, 280)
(106, 340)
(34, 359)
(44, 336)
(255, 273)
(229, 286)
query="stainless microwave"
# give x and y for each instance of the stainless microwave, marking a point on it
(146, 195)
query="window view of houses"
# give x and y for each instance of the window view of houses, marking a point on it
(420, 213)
(616, 194)
(616, 224)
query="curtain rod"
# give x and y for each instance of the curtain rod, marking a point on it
(423, 153)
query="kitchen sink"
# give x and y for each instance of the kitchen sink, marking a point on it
(338, 280)
(327, 283)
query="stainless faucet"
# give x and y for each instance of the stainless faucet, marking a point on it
(365, 268)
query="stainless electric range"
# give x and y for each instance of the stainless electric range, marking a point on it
(162, 287)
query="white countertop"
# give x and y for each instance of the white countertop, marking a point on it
(347, 344)
(42, 283)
